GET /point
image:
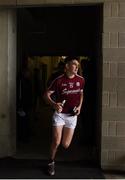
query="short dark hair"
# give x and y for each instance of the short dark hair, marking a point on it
(70, 58)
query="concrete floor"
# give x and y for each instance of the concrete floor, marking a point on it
(11, 168)
(113, 174)
(36, 169)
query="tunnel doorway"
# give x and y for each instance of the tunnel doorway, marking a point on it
(45, 35)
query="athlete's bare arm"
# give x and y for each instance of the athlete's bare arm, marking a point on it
(78, 109)
(56, 105)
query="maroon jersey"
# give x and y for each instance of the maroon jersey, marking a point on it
(68, 89)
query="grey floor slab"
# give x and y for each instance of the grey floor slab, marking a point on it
(36, 169)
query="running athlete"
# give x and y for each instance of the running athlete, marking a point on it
(68, 88)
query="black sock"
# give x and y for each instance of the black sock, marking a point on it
(51, 160)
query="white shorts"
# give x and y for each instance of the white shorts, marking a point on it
(60, 119)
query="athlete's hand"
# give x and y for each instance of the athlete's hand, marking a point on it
(78, 109)
(58, 107)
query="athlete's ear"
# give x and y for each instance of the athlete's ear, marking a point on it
(67, 65)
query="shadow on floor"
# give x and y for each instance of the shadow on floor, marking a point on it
(36, 169)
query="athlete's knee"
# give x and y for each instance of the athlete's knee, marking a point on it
(65, 145)
(56, 143)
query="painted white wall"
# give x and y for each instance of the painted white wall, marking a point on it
(7, 82)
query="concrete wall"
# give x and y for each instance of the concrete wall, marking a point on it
(7, 82)
(113, 104)
(113, 112)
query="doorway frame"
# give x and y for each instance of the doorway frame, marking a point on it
(99, 68)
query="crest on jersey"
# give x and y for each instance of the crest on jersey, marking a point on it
(77, 83)
(71, 84)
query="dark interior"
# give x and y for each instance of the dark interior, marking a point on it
(57, 31)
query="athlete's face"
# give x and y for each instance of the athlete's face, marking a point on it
(73, 66)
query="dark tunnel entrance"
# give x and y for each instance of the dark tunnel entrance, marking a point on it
(45, 35)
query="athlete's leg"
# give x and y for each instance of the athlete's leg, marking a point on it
(67, 136)
(68, 131)
(56, 139)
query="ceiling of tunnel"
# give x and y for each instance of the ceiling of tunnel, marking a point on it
(58, 30)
